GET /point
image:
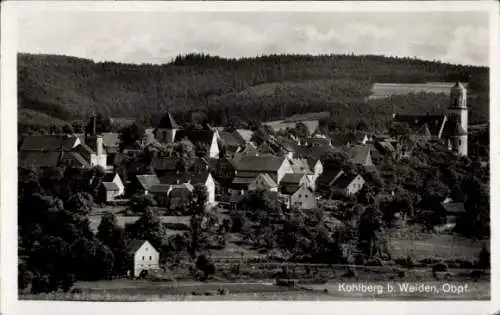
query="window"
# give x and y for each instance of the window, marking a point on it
(142, 257)
(300, 196)
(307, 196)
(149, 257)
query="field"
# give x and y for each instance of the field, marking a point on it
(383, 90)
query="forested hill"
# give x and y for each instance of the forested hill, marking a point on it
(263, 88)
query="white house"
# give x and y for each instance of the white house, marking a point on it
(263, 182)
(302, 198)
(143, 257)
(349, 184)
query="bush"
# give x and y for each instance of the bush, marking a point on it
(205, 265)
(238, 222)
(440, 267)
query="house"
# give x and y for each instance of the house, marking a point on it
(245, 134)
(205, 141)
(145, 182)
(53, 151)
(452, 211)
(302, 198)
(160, 193)
(263, 182)
(360, 154)
(327, 178)
(111, 186)
(230, 142)
(144, 257)
(202, 177)
(180, 195)
(252, 166)
(166, 130)
(292, 181)
(349, 184)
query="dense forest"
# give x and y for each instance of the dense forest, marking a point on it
(229, 90)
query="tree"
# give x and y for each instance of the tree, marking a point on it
(139, 204)
(370, 226)
(260, 136)
(148, 227)
(197, 209)
(102, 124)
(80, 203)
(112, 235)
(130, 134)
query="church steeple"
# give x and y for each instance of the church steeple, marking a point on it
(458, 118)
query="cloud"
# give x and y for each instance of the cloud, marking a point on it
(158, 37)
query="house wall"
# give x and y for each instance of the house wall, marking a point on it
(355, 186)
(304, 199)
(118, 181)
(284, 169)
(210, 184)
(214, 147)
(146, 258)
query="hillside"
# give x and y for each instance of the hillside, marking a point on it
(263, 88)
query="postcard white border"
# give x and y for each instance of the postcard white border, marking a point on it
(8, 172)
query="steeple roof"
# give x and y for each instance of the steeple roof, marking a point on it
(168, 122)
(454, 129)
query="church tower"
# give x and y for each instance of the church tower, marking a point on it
(458, 118)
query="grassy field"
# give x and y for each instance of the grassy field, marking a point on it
(130, 290)
(382, 90)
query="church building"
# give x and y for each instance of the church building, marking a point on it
(450, 127)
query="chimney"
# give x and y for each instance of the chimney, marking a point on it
(99, 146)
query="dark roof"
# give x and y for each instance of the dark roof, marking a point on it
(423, 131)
(165, 163)
(193, 178)
(134, 245)
(110, 186)
(147, 181)
(453, 129)
(434, 122)
(243, 180)
(51, 159)
(268, 180)
(344, 180)
(291, 178)
(111, 139)
(261, 163)
(160, 188)
(47, 143)
(308, 116)
(454, 207)
(231, 139)
(312, 153)
(168, 122)
(108, 177)
(327, 176)
(358, 154)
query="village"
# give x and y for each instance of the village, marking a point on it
(290, 162)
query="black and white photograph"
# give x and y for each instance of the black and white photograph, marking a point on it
(233, 152)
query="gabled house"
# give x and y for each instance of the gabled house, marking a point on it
(263, 182)
(57, 150)
(291, 182)
(194, 178)
(230, 142)
(145, 182)
(245, 134)
(204, 141)
(252, 166)
(350, 184)
(327, 178)
(110, 187)
(302, 198)
(166, 130)
(144, 257)
(360, 154)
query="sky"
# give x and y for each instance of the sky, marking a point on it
(157, 37)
